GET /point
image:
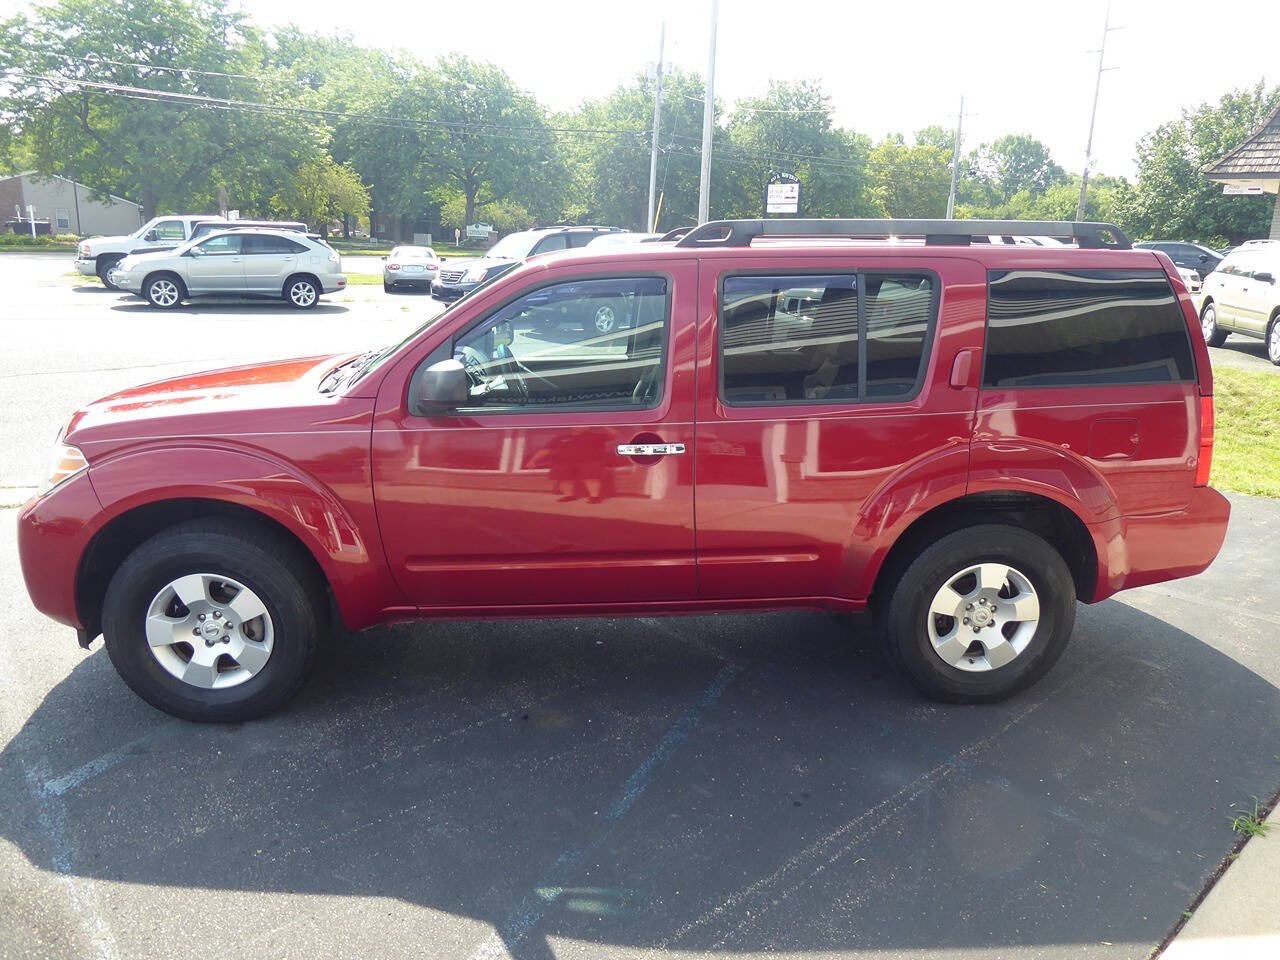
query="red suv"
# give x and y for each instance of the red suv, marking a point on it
(929, 419)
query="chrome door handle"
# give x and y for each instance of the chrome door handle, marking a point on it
(649, 449)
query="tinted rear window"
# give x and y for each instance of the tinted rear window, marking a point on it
(1049, 328)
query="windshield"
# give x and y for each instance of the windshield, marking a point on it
(375, 358)
(514, 246)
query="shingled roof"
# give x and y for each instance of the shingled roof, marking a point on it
(1256, 158)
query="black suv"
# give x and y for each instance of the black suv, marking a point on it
(459, 277)
(1189, 256)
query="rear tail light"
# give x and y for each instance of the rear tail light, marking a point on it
(1205, 461)
(393, 266)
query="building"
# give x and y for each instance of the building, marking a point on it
(1254, 167)
(64, 206)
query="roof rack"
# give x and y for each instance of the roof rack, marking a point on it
(676, 234)
(740, 233)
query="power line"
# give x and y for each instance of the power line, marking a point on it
(94, 58)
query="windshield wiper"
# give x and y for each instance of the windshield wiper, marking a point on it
(342, 372)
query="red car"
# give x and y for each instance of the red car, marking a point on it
(960, 432)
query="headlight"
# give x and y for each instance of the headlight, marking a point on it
(67, 462)
(475, 274)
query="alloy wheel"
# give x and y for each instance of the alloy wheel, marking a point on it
(209, 631)
(983, 617)
(302, 293)
(1273, 343)
(163, 292)
(1209, 323)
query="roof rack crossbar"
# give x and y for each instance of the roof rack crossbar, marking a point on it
(740, 233)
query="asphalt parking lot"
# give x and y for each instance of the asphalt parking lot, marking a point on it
(730, 786)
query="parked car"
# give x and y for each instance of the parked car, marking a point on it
(206, 227)
(1191, 256)
(1243, 296)
(410, 266)
(236, 263)
(964, 438)
(459, 276)
(98, 256)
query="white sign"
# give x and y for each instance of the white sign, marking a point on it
(782, 198)
(479, 231)
(233, 214)
(1238, 189)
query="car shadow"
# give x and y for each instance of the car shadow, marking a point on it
(740, 784)
(216, 307)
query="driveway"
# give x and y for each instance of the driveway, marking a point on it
(734, 786)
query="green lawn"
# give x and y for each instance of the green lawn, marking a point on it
(1246, 443)
(363, 279)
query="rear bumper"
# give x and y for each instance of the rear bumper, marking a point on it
(332, 282)
(1135, 551)
(53, 532)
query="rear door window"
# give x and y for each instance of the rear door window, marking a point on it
(1048, 328)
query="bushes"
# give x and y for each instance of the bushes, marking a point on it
(24, 241)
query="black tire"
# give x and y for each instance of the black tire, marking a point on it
(104, 267)
(1214, 335)
(158, 288)
(274, 568)
(904, 621)
(1273, 341)
(386, 287)
(295, 296)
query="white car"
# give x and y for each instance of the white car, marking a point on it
(409, 266)
(1243, 296)
(236, 263)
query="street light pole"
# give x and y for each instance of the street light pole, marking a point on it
(708, 121)
(1093, 116)
(955, 163)
(651, 219)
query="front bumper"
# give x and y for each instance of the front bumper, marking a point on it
(1136, 551)
(53, 532)
(87, 267)
(449, 292)
(130, 281)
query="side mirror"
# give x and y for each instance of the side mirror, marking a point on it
(1264, 277)
(149, 236)
(382, 258)
(1204, 258)
(442, 386)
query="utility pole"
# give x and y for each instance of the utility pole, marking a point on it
(651, 219)
(955, 163)
(708, 121)
(1097, 87)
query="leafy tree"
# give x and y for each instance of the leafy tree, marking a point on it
(321, 191)
(909, 181)
(504, 215)
(168, 156)
(1172, 198)
(997, 171)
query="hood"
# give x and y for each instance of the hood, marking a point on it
(254, 398)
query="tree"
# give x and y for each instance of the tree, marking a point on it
(1172, 198)
(322, 191)
(168, 155)
(909, 181)
(1016, 162)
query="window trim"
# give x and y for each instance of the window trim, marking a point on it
(450, 342)
(859, 274)
(1154, 271)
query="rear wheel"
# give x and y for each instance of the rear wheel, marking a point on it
(302, 292)
(213, 621)
(981, 614)
(1213, 335)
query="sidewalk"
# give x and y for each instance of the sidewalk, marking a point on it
(1240, 918)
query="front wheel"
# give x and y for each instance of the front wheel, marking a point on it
(980, 614)
(1214, 336)
(105, 268)
(1273, 342)
(213, 621)
(302, 292)
(163, 291)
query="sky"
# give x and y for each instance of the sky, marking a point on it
(889, 67)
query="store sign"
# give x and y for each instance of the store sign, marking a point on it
(782, 196)
(1242, 189)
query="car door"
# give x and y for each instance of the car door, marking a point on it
(822, 415)
(165, 235)
(1256, 294)
(545, 489)
(268, 260)
(215, 266)
(1228, 288)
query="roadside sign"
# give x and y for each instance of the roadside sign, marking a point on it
(1242, 189)
(479, 231)
(782, 195)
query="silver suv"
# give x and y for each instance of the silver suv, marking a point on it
(1243, 296)
(236, 263)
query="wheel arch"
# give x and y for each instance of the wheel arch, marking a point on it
(301, 275)
(1042, 515)
(182, 284)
